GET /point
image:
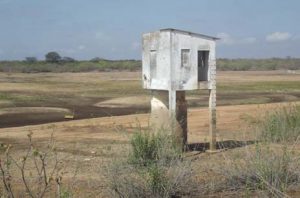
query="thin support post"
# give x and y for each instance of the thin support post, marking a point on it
(212, 120)
(172, 111)
(172, 103)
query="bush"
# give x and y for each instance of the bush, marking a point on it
(67, 60)
(149, 148)
(31, 59)
(154, 168)
(35, 174)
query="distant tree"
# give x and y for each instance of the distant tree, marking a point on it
(31, 59)
(52, 57)
(97, 59)
(67, 59)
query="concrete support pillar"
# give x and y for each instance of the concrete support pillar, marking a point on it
(169, 113)
(159, 117)
(181, 115)
(212, 120)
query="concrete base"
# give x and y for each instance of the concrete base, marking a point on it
(163, 119)
(169, 114)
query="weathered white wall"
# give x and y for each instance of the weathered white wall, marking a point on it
(187, 79)
(159, 42)
(170, 75)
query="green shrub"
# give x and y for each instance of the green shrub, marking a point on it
(157, 179)
(154, 168)
(149, 148)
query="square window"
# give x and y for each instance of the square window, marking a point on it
(185, 58)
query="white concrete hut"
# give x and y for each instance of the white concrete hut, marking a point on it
(175, 61)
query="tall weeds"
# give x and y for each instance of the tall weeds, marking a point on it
(154, 168)
(280, 125)
(272, 165)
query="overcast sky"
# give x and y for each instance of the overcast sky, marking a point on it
(112, 29)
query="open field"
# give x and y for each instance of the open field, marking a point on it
(102, 101)
(50, 97)
(89, 145)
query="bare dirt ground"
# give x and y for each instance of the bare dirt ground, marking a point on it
(88, 145)
(91, 95)
(100, 134)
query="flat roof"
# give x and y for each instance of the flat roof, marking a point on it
(190, 33)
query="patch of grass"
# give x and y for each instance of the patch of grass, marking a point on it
(21, 97)
(280, 125)
(267, 168)
(272, 165)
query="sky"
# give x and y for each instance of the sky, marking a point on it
(112, 29)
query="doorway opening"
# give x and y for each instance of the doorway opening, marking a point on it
(203, 57)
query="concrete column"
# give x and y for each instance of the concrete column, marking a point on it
(159, 117)
(212, 119)
(181, 115)
(169, 113)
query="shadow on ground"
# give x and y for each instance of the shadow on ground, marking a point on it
(228, 144)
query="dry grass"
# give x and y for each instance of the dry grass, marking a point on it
(154, 168)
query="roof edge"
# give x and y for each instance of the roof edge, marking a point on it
(189, 33)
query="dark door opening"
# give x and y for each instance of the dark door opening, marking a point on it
(203, 65)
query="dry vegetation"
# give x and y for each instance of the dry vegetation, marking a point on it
(96, 154)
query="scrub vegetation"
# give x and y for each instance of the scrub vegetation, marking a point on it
(67, 64)
(154, 168)
(152, 165)
(271, 166)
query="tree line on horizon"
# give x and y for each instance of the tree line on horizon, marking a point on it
(54, 62)
(55, 57)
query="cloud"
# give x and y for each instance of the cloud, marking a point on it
(227, 39)
(278, 36)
